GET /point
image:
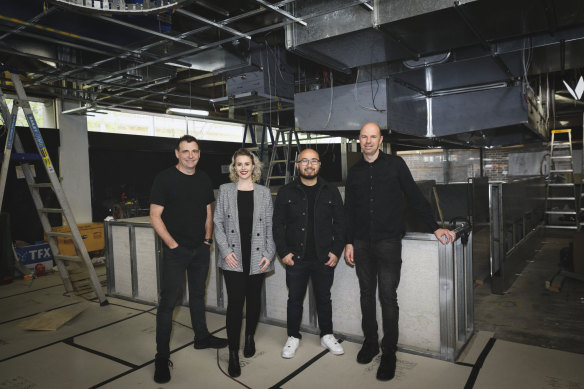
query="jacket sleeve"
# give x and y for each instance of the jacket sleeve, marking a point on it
(279, 224)
(339, 227)
(219, 222)
(416, 200)
(349, 205)
(270, 250)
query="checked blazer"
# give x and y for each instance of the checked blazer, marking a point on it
(226, 221)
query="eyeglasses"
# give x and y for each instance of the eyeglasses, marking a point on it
(305, 161)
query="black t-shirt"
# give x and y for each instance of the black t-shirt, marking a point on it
(185, 199)
(310, 253)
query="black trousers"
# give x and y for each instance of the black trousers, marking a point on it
(174, 264)
(242, 288)
(379, 262)
(297, 277)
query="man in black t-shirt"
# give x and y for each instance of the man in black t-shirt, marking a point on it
(180, 213)
(309, 228)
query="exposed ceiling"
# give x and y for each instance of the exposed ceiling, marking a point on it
(240, 57)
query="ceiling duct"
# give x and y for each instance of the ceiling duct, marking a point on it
(452, 67)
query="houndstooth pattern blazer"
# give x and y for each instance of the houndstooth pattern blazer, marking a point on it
(226, 221)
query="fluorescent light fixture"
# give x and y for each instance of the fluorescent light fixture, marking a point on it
(186, 111)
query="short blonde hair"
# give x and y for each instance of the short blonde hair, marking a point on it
(256, 173)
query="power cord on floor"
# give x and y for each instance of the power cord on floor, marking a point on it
(227, 375)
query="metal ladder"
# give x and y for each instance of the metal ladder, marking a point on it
(561, 203)
(13, 139)
(283, 139)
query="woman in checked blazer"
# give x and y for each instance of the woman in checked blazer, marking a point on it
(243, 232)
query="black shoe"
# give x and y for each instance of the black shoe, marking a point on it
(210, 342)
(249, 349)
(386, 370)
(162, 370)
(234, 368)
(367, 352)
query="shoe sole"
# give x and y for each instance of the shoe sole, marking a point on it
(333, 352)
(288, 356)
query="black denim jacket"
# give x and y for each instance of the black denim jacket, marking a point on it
(291, 218)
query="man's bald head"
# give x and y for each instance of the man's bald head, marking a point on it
(371, 127)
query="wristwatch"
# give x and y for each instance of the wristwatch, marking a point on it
(208, 240)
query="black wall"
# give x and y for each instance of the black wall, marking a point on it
(129, 163)
(24, 221)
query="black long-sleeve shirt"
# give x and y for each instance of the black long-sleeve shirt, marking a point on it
(374, 199)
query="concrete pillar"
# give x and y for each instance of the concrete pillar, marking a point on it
(74, 161)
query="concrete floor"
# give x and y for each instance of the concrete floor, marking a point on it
(527, 338)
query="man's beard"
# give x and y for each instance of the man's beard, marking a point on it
(315, 175)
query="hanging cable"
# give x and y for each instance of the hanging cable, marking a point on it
(331, 105)
(374, 108)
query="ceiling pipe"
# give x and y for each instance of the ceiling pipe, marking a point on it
(143, 49)
(212, 23)
(282, 12)
(145, 30)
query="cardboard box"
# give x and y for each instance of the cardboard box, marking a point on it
(92, 234)
(37, 257)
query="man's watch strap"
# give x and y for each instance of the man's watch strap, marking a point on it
(208, 240)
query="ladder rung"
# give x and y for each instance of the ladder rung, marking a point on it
(70, 258)
(279, 161)
(563, 131)
(275, 177)
(560, 212)
(563, 157)
(63, 234)
(51, 210)
(562, 198)
(560, 184)
(41, 185)
(562, 171)
(562, 144)
(559, 226)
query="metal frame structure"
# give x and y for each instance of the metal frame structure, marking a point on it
(454, 284)
(516, 211)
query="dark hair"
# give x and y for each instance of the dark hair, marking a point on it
(186, 138)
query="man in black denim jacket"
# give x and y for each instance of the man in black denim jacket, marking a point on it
(375, 226)
(309, 231)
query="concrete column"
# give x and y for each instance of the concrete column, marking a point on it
(74, 161)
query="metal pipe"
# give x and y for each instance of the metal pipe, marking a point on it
(145, 30)
(281, 12)
(183, 35)
(32, 20)
(61, 32)
(212, 23)
(193, 51)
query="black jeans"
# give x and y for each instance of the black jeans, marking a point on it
(379, 262)
(242, 288)
(297, 280)
(172, 279)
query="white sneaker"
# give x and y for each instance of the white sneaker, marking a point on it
(329, 341)
(290, 347)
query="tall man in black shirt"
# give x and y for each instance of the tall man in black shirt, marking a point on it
(374, 195)
(180, 213)
(309, 230)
